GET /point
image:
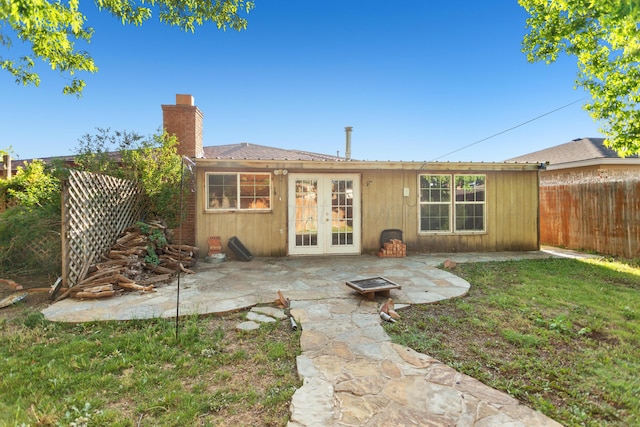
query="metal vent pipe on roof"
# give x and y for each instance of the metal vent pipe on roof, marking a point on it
(347, 153)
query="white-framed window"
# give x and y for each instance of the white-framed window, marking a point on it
(435, 203)
(238, 191)
(452, 203)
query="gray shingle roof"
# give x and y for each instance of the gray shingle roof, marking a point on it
(573, 151)
(246, 151)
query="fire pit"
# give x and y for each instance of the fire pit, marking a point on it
(369, 287)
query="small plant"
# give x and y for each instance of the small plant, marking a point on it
(275, 350)
(34, 319)
(152, 257)
(629, 313)
(561, 324)
(521, 340)
(157, 240)
(585, 331)
(75, 417)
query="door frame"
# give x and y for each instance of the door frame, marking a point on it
(323, 215)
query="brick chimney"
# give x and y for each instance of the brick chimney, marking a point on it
(184, 120)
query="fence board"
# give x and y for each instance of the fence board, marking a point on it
(95, 210)
(599, 216)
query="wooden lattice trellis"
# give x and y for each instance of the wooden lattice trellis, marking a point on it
(6, 202)
(45, 249)
(95, 210)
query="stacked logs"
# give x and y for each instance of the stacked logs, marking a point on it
(140, 258)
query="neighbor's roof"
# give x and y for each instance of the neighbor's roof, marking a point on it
(246, 151)
(573, 151)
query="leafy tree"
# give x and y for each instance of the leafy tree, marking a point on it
(100, 153)
(51, 29)
(605, 38)
(157, 166)
(153, 162)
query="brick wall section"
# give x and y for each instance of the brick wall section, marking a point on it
(186, 233)
(184, 120)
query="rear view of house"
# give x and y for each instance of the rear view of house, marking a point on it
(290, 202)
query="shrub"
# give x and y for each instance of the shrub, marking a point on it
(30, 227)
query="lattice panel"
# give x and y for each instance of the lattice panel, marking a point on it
(47, 249)
(96, 209)
(7, 202)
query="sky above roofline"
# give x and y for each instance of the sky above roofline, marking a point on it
(416, 84)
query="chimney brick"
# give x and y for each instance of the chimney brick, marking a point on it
(184, 120)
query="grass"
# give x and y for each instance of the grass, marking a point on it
(560, 335)
(135, 373)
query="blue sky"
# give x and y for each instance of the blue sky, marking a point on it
(416, 80)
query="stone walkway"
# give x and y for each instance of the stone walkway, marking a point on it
(352, 374)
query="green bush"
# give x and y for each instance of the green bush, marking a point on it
(30, 227)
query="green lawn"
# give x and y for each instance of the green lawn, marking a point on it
(561, 335)
(135, 373)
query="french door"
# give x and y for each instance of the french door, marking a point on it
(324, 214)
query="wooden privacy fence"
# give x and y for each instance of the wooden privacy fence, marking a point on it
(599, 216)
(95, 210)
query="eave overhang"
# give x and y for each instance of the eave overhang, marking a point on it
(300, 165)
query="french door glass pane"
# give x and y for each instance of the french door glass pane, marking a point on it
(341, 212)
(306, 210)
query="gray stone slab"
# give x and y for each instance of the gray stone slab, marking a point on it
(306, 368)
(248, 326)
(257, 317)
(276, 313)
(312, 405)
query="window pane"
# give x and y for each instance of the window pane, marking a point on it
(470, 188)
(470, 217)
(222, 191)
(435, 188)
(342, 212)
(238, 191)
(470, 198)
(435, 201)
(306, 212)
(434, 217)
(255, 191)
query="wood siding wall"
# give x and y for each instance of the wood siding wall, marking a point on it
(598, 216)
(263, 233)
(511, 215)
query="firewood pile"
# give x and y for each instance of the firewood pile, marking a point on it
(140, 258)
